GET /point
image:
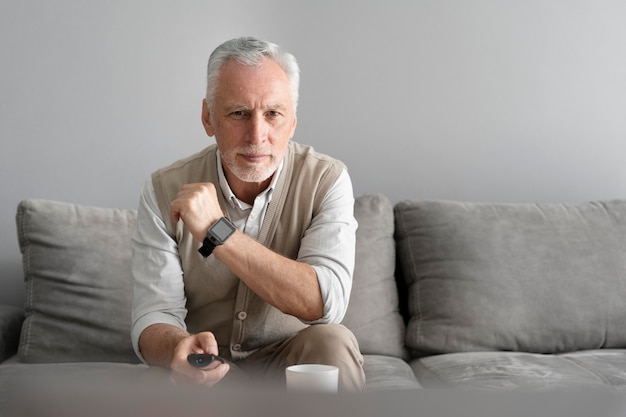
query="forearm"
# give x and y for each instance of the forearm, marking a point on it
(288, 285)
(158, 342)
(158, 294)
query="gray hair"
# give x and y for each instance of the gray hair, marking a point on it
(249, 51)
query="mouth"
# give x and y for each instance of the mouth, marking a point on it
(254, 158)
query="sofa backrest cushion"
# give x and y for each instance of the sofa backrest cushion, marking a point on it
(373, 313)
(78, 282)
(543, 278)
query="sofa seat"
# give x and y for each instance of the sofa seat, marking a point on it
(29, 384)
(388, 373)
(506, 370)
(382, 372)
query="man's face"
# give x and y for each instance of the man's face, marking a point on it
(252, 119)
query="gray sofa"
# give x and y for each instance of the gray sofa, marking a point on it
(445, 294)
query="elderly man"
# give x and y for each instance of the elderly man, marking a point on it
(246, 249)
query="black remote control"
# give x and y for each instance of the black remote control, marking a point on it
(201, 360)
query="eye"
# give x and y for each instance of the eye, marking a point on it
(273, 113)
(239, 114)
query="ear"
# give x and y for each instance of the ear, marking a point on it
(206, 119)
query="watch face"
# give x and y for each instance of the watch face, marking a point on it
(222, 229)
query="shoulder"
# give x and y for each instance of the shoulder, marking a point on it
(199, 158)
(307, 153)
(313, 174)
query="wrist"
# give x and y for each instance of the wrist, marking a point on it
(217, 235)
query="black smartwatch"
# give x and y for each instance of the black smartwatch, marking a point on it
(217, 235)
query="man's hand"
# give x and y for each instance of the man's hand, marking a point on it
(198, 343)
(168, 346)
(198, 207)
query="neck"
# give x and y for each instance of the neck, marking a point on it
(245, 191)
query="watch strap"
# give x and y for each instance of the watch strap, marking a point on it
(207, 247)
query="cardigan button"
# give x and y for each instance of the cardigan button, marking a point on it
(236, 347)
(242, 315)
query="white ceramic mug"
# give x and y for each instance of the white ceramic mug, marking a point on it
(312, 378)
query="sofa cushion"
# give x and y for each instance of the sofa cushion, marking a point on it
(503, 370)
(610, 364)
(384, 373)
(78, 282)
(539, 278)
(76, 389)
(373, 313)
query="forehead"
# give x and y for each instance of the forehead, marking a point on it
(266, 81)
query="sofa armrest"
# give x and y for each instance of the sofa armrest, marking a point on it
(11, 319)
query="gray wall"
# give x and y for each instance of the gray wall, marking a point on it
(483, 100)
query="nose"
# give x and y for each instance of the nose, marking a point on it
(257, 129)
